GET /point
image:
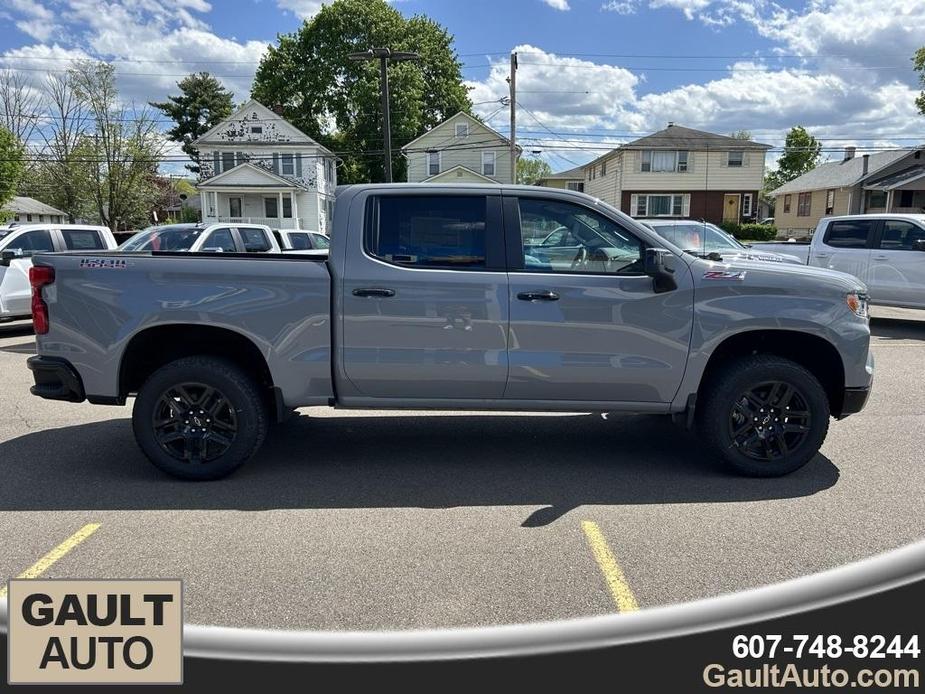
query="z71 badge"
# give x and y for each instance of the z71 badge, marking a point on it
(738, 275)
(102, 263)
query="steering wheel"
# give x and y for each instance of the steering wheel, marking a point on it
(581, 258)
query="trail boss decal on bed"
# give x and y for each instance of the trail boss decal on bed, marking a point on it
(738, 275)
(102, 264)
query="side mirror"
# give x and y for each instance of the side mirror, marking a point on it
(8, 256)
(919, 244)
(662, 276)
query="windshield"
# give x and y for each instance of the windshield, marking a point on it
(699, 237)
(171, 238)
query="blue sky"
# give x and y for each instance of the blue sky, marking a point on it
(593, 72)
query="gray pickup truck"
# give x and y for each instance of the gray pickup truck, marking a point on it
(439, 297)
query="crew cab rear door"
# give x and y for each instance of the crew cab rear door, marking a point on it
(897, 266)
(845, 246)
(425, 298)
(590, 327)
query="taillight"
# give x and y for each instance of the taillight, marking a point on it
(40, 276)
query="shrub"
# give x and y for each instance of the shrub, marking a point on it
(751, 232)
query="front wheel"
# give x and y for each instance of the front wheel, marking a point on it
(765, 416)
(199, 418)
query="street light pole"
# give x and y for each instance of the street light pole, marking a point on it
(384, 55)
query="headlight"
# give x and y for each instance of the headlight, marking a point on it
(857, 302)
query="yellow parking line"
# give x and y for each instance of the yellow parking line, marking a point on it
(613, 574)
(42, 565)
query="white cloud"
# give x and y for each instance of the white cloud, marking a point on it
(689, 7)
(623, 7)
(561, 5)
(304, 9)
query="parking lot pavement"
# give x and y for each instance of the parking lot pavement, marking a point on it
(370, 520)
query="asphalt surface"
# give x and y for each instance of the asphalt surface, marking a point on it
(385, 520)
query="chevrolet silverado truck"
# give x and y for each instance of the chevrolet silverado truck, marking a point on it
(436, 297)
(885, 251)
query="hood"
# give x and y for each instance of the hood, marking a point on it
(792, 273)
(766, 256)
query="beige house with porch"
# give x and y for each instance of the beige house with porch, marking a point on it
(888, 181)
(257, 167)
(462, 149)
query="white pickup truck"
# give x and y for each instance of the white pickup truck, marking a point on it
(885, 251)
(17, 244)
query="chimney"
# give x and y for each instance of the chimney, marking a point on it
(671, 124)
(866, 158)
(849, 153)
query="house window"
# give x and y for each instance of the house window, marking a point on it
(271, 208)
(287, 207)
(736, 158)
(28, 217)
(829, 201)
(287, 162)
(906, 198)
(603, 168)
(488, 163)
(227, 161)
(257, 129)
(804, 204)
(787, 203)
(433, 163)
(589, 174)
(747, 205)
(659, 161)
(462, 130)
(576, 185)
(876, 198)
(659, 205)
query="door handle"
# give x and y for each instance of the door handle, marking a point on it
(538, 296)
(880, 257)
(374, 291)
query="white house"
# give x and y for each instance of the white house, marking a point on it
(461, 149)
(257, 167)
(21, 209)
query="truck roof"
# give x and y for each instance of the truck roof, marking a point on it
(879, 215)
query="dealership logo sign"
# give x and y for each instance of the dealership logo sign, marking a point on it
(95, 632)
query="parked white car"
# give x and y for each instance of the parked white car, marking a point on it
(885, 251)
(299, 240)
(709, 241)
(205, 238)
(17, 244)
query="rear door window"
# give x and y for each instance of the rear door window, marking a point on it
(849, 233)
(220, 238)
(299, 242)
(899, 235)
(254, 240)
(82, 240)
(429, 231)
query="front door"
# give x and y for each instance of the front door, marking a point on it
(897, 268)
(234, 207)
(15, 290)
(425, 306)
(590, 327)
(731, 207)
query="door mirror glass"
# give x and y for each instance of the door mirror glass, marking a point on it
(656, 267)
(919, 245)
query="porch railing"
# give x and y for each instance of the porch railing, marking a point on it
(272, 222)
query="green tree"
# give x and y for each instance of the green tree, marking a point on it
(336, 100)
(918, 62)
(529, 171)
(11, 165)
(120, 153)
(801, 154)
(203, 102)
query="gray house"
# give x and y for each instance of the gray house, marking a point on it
(890, 181)
(462, 149)
(22, 209)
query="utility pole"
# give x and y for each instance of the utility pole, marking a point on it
(512, 80)
(384, 55)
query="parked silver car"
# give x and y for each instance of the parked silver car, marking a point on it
(709, 241)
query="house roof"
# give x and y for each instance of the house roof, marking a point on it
(23, 205)
(840, 174)
(262, 178)
(265, 114)
(680, 137)
(897, 178)
(446, 174)
(570, 174)
(468, 117)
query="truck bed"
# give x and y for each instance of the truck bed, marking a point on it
(100, 302)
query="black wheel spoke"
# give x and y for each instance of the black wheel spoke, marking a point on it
(770, 420)
(194, 423)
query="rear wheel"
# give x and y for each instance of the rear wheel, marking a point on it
(199, 418)
(765, 416)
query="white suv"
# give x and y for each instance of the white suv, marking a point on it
(17, 244)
